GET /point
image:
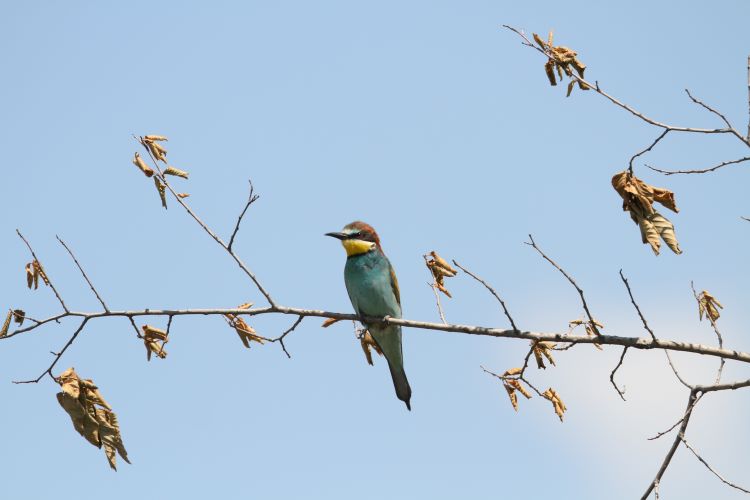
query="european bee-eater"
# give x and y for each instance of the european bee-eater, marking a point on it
(373, 290)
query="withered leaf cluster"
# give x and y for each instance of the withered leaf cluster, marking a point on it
(92, 417)
(368, 342)
(440, 270)
(561, 59)
(511, 386)
(246, 332)
(157, 150)
(17, 315)
(543, 350)
(557, 403)
(154, 339)
(591, 328)
(707, 304)
(34, 271)
(638, 199)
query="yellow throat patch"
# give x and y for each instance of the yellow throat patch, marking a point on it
(356, 247)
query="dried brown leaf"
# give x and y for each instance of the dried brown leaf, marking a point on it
(39, 272)
(155, 138)
(516, 384)
(549, 69)
(6, 324)
(512, 371)
(138, 162)
(441, 262)
(92, 417)
(246, 332)
(367, 342)
(539, 41)
(512, 395)
(329, 321)
(29, 275)
(707, 304)
(557, 403)
(183, 195)
(18, 316)
(176, 172)
(570, 87)
(666, 230)
(162, 189)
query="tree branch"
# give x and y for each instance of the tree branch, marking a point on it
(207, 229)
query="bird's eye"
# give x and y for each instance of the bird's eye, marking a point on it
(355, 236)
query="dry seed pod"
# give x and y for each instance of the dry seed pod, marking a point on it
(155, 138)
(19, 316)
(176, 172)
(138, 162)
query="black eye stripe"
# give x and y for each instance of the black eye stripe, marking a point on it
(360, 236)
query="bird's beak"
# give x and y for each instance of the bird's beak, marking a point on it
(338, 236)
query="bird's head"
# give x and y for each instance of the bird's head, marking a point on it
(357, 238)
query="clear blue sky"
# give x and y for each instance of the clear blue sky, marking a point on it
(433, 124)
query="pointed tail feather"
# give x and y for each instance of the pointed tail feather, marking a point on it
(401, 384)
(389, 341)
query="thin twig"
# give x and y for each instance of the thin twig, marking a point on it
(49, 280)
(289, 330)
(661, 136)
(713, 471)
(101, 301)
(437, 301)
(612, 375)
(717, 113)
(699, 171)
(252, 197)
(592, 321)
(492, 291)
(58, 355)
(650, 331)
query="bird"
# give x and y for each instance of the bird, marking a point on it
(373, 290)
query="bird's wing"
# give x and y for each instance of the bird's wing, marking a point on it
(394, 285)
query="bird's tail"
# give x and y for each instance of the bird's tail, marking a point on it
(389, 341)
(401, 383)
